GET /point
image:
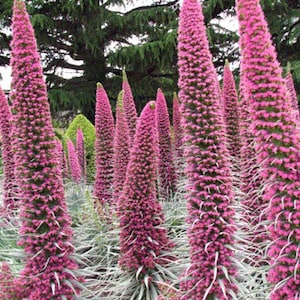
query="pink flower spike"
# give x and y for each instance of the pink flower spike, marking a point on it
(46, 232)
(209, 188)
(177, 127)
(80, 150)
(129, 107)
(75, 168)
(143, 238)
(104, 146)
(231, 112)
(166, 167)
(9, 185)
(292, 93)
(277, 145)
(121, 149)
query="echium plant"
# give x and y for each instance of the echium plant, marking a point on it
(62, 159)
(209, 190)
(143, 239)
(251, 181)
(277, 147)
(177, 128)
(292, 92)
(74, 166)
(129, 107)
(166, 167)
(104, 146)
(46, 231)
(9, 185)
(231, 112)
(7, 288)
(80, 150)
(121, 149)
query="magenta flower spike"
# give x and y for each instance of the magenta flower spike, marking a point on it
(9, 184)
(166, 167)
(80, 150)
(231, 112)
(121, 149)
(46, 231)
(252, 205)
(104, 146)
(75, 168)
(129, 107)
(142, 237)
(7, 286)
(62, 159)
(277, 148)
(209, 189)
(177, 127)
(292, 93)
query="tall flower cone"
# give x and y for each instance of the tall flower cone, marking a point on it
(143, 238)
(251, 181)
(177, 127)
(9, 186)
(129, 106)
(74, 165)
(250, 210)
(62, 159)
(121, 149)
(231, 112)
(7, 288)
(292, 92)
(104, 147)
(166, 167)
(209, 191)
(277, 147)
(46, 225)
(80, 150)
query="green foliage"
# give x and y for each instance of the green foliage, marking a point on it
(98, 39)
(88, 130)
(283, 17)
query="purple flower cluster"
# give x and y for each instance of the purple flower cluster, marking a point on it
(104, 146)
(7, 284)
(177, 127)
(231, 112)
(9, 184)
(292, 93)
(129, 107)
(62, 159)
(142, 238)
(277, 147)
(46, 226)
(74, 166)
(209, 191)
(166, 167)
(121, 149)
(80, 151)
